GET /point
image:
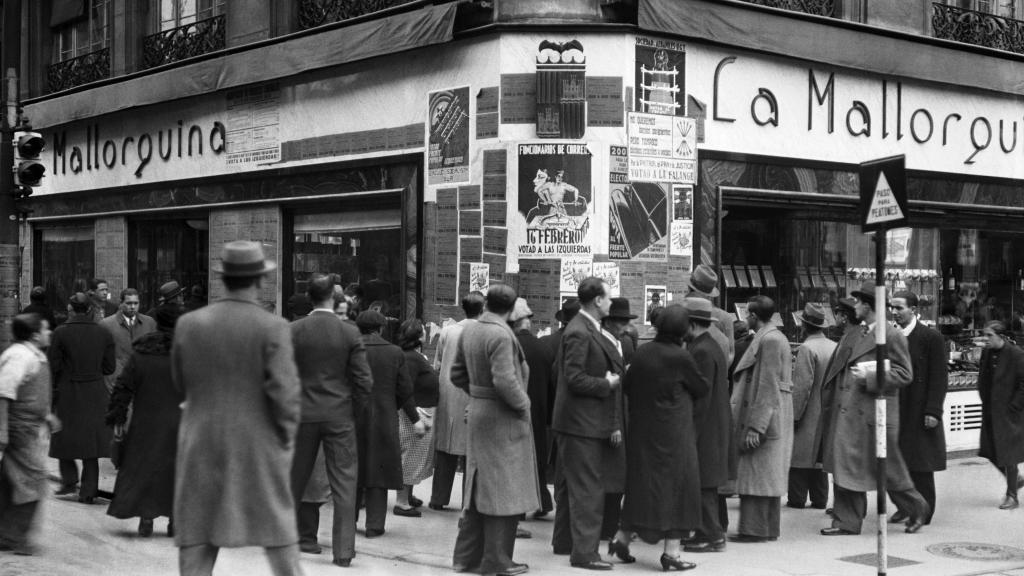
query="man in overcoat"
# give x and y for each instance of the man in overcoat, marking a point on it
(712, 420)
(126, 326)
(450, 417)
(540, 361)
(81, 353)
(501, 469)
(812, 357)
(380, 451)
(336, 386)
(615, 323)
(762, 409)
(234, 363)
(703, 283)
(587, 422)
(922, 438)
(848, 441)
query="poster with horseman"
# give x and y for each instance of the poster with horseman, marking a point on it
(556, 199)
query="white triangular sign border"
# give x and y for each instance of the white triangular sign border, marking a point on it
(883, 184)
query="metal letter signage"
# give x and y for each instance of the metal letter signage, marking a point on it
(883, 194)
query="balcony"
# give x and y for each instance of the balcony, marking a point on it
(184, 42)
(979, 28)
(313, 13)
(816, 7)
(77, 71)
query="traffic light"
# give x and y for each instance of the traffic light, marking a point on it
(28, 169)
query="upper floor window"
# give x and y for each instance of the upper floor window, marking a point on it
(177, 13)
(89, 33)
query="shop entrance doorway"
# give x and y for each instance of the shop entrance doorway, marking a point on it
(168, 249)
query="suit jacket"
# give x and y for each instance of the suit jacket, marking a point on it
(335, 375)
(585, 404)
(812, 358)
(924, 449)
(124, 336)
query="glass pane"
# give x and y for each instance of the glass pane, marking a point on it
(65, 265)
(168, 250)
(186, 12)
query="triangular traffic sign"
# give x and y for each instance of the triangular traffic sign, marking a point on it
(883, 207)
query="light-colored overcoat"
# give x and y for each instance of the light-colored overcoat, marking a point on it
(812, 357)
(848, 442)
(233, 360)
(124, 336)
(450, 418)
(762, 400)
(501, 466)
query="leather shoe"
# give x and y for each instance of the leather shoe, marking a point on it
(514, 570)
(87, 499)
(795, 505)
(409, 512)
(1009, 503)
(310, 547)
(836, 532)
(414, 501)
(433, 506)
(374, 532)
(749, 539)
(621, 551)
(898, 517)
(913, 525)
(145, 527)
(65, 490)
(343, 562)
(523, 533)
(716, 546)
(593, 565)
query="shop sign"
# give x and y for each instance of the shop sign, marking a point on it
(883, 194)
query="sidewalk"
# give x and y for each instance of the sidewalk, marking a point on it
(969, 536)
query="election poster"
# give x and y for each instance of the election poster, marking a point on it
(575, 269)
(448, 140)
(638, 215)
(555, 200)
(681, 243)
(609, 272)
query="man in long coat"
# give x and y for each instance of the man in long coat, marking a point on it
(812, 357)
(126, 326)
(587, 423)
(703, 283)
(81, 353)
(501, 469)
(539, 360)
(922, 438)
(762, 409)
(848, 441)
(712, 419)
(450, 417)
(233, 360)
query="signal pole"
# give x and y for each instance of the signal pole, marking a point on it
(10, 253)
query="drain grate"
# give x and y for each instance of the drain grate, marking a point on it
(872, 560)
(976, 551)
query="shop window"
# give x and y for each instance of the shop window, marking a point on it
(85, 35)
(165, 250)
(176, 13)
(64, 262)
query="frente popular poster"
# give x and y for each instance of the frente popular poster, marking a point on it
(448, 141)
(555, 200)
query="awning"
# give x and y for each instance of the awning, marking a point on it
(834, 43)
(281, 57)
(66, 11)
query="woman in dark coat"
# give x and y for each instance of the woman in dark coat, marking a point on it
(663, 474)
(417, 440)
(145, 481)
(1001, 387)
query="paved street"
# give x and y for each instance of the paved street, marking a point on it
(78, 539)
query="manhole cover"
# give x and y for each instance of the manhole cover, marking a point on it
(976, 551)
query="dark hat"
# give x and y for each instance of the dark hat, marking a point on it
(79, 299)
(370, 319)
(866, 293)
(846, 304)
(299, 304)
(704, 281)
(170, 290)
(244, 259)
(37, 292)
(166, 316)
(672, 322)
(619, 310)
(570, 308)
(813, 315)
(699, 309)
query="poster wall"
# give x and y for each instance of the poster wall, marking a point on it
(448, 138)
(555, 200)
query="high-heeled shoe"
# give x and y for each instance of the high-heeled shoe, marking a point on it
(673, 563)
(620, 551)
(1009, 503)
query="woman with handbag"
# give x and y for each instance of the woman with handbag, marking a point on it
(145, 480)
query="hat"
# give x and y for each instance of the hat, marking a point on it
(570, 308)
(520, 310)
(79, 299)
(846, 304)
(699, 309)
(370, 319)
(37, 292)
(619, 310)
(170, 290)
(244, 259)
(704, 281)
(866, 293)
(166, 316)
(299, 304)
(813, 315)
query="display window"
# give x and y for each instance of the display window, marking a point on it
(64, 262)
(168, 249)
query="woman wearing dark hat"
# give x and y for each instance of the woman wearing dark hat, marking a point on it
(417, 446)
(145, 481)
(1001, 387)
(662, 482)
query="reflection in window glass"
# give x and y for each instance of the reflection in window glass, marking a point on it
(65, 261)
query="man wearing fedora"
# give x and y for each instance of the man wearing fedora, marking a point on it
(234, 362)
(169, 292)
(704, 284)
(848, 440)
(615, 467)
(812, 357)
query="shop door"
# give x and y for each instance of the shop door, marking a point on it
(165, 250)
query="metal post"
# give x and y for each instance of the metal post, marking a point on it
(880, 378)
(10, 60)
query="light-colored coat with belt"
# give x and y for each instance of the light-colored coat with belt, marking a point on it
(501, 466)
(812, 359)
(450, 417)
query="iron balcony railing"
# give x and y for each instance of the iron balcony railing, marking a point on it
(818, 7)
(979, 28)
(313, 13)
(77, 71)
(184, 42)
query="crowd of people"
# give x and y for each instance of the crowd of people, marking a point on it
(642, 435)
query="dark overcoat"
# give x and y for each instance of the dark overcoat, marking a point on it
(712, 415)
(145, 481)
(81, 354)
(539, 359)
(234, 363)
(380, 451)
(501, 466)
(1002, 406)
(663, 483)
(924, 449)
(812, 358)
